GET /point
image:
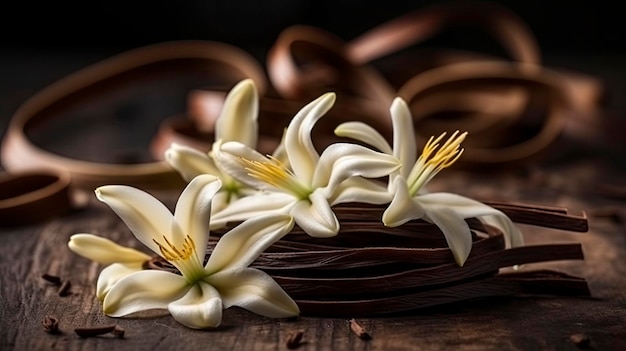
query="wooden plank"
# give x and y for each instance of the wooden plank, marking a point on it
(515, 323)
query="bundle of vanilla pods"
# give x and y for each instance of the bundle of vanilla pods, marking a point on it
(372, 270)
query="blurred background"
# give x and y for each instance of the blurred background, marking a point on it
(42, 42)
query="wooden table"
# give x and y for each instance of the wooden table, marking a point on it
(515, 323)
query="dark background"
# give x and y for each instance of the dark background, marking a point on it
(44, 41)
(560, 26)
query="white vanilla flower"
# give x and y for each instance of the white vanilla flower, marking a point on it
(197, 296)
(237, 122)
(120, 261)
(411, 201)
(314, 182)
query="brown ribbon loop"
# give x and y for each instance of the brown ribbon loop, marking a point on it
(514, 109)
(512, 115)
(402, 32)
(33, 196)
(215, 62)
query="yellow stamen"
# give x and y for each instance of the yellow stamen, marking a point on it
(172, 253)
(275, 173)
(447, 154)
(434, 158)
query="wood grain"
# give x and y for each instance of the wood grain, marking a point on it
(504, 323)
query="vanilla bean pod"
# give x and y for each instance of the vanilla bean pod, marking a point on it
(86, 332)
(56, 280)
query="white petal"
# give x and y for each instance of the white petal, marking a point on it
(144, 290)
(512, 235)
(190, 162)
(280, 153)
(365, 134)
(454, 228)
(193, 210)
(255, 291)
(468, 208)
(341, 161)
(144, 215)
(238, 118)
(103, 250)
(220, 201)
(111, 274)
(300, 149)
(244, 243)
(251, 206)
(404, 144)
(316, 218)
(200, 308)
(403, 207)
(247, 191)
(357, 189)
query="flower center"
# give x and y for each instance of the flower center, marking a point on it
(183, 257)
(172, 253)
(276, 174)
(231, 187)
(434, 158)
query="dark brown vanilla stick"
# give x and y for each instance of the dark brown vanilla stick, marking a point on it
(56, 280)
(94, 331)
(543, 216)
(337, 284)
(538, 215)
(340, 258)
(544, 208)
(536, 283)
(86, 332)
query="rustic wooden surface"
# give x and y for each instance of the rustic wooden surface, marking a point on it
(517, 323)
